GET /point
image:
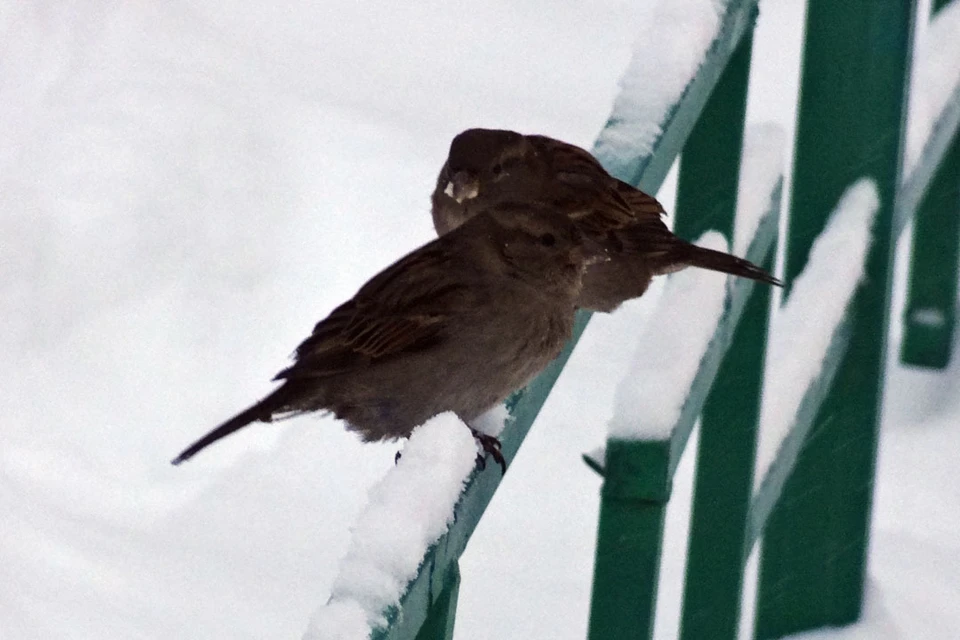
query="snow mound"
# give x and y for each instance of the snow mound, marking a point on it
(408, 510)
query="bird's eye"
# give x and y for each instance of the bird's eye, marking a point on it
(497, 169)
(548, 240)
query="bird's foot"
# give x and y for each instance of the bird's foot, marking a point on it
(491, 445)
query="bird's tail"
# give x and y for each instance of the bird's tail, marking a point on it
(263, 411)
(690, 255)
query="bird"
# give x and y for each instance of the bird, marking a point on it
(456, 325)
(487, 166)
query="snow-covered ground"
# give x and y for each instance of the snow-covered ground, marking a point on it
(186, 187)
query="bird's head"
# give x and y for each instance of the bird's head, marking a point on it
(484, 167)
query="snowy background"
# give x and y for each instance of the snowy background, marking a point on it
(187, 187)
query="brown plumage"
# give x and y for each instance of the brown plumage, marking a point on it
(487, 166)
(456, 325)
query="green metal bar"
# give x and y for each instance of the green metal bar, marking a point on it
(931, 310)
(647, 169)
(629, 541)
(710, 167)
(930, 314)
(443, 614)
(708, 185)
(931, 195)
(724, 483)
(855, 73)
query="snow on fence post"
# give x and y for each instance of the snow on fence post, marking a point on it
(808, 338)
(930, 313)
(853, 87)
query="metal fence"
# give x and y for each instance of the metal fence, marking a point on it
(812, 508)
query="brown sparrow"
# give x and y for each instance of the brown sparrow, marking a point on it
(456, 325)
(487, 166)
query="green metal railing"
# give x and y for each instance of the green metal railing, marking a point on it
(813, 505)
(931, 311)
(852, 110)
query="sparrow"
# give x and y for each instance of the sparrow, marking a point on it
(456, 325)
(487, 166)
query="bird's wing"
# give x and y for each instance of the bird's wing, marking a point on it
(601, 202)
(641, 203)
(625, 218)
(402, 309)
(608, 214)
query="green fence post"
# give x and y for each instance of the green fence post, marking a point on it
(855, 73)
(629, 540)
(710, 165)
(707, 198)
(717, 551)
(930, 314)
(931, 310)
(443, 612)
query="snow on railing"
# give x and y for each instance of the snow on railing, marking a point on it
(935, 83)
(932, 162)
(761, 170)
(803, 330)
(664, 59)
(934, 110)
(650, 398)
(676, 62)
(407, 512)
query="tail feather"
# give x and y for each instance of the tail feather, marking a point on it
(261, 412)
(689, 255)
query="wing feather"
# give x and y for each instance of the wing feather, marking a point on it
(403, 308)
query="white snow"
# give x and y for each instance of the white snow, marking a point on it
(492, 422)
(928, 317)
(801, 331)
(187, 187)
(339, 620)
(764, 148)
(407, 511)
(650, 397)
(666, 57)
(935, 78)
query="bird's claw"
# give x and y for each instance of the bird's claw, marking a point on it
(490, 444)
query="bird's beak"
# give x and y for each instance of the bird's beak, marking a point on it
(463, 186)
